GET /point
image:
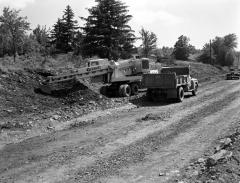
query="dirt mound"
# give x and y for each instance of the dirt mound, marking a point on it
(19, 101)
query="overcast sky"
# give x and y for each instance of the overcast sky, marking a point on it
(200, 20)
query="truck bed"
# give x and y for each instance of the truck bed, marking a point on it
(163, 80)
(159, 80)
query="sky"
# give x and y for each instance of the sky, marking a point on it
(200, 20)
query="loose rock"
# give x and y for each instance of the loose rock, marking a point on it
(223, 154)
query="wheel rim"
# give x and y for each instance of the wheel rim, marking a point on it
(126, 90)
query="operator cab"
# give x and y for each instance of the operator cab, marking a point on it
(96, 62)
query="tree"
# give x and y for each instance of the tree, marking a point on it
(65, 32)
(41, 35)
(149, 42)
(106, 32)
(70, 28)
(15, 27)
(230, 41)
(29, 45)
(205, 56)
(5, 41)
(167, 52)
(77, 44)
(181, 48)
(57, 35)
(222, 49)
(192, 49)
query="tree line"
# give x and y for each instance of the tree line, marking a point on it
(106, 34)
(220, 50)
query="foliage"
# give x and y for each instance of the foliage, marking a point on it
(149, 42)
(5, 42)
(230, 41)
(64, 34)
(71, 28)
(222, 51)
(192, 49)
(106, 32)
(167, 51)
(77, 44)
(41, 36)
(57, 35)
(164, 54)
(205, 56)
(29, 45)
(181, 48)
(14, 28)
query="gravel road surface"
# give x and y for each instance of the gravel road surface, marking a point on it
(129, 146)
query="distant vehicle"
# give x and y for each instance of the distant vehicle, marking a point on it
(233, 74)
(172, 82)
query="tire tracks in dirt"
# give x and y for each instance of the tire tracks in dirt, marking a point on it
(137, 152)
(189, 144)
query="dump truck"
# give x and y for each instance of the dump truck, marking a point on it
(170, 83)
(122, 78)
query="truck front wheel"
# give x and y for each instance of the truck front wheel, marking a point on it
(194, 92)
(180, 94)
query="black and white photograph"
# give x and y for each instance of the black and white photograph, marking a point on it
(119, 91)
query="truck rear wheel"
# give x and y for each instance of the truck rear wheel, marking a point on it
(125, 90)
(180, 94)
(134, 89)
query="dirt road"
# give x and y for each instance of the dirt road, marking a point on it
(136, 145)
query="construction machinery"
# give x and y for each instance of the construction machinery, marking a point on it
(123, 78)
(171, 82)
